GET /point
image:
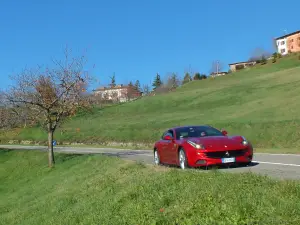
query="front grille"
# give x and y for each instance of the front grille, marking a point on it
(222, 154)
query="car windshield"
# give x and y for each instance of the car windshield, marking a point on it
(197, 131)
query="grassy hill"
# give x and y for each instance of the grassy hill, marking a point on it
(261, 103)
(107, 190)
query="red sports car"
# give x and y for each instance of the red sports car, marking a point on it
(201, 146)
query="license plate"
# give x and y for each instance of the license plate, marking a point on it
(228, 160)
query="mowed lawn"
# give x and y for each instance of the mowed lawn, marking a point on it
(261, 103)
(94, 189)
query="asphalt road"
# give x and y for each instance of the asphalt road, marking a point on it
(282, 166)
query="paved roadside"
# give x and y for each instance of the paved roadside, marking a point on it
(282, 166)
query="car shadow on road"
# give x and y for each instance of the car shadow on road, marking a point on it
(229, 166)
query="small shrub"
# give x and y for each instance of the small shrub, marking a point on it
(274, 60)
(263, 61)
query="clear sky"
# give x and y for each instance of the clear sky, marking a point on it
(135, 39)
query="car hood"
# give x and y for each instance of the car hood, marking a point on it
(220, 142)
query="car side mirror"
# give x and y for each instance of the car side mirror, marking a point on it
(168, 138)
(224, 132)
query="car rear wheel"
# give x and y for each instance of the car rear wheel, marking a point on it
(183, 162)
(156, 158)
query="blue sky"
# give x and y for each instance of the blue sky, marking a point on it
(136, 39)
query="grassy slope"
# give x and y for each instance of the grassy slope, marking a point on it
(107, 190)
(262, 104)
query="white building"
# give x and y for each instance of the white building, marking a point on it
(282, 46)
(119, 93)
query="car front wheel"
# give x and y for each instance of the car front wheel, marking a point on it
(156, 158)
(183, 162)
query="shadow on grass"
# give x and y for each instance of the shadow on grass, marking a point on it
(229, 166)
(63, 157)
(5, 151)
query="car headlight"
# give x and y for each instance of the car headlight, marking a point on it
(197, 146)
(244, 142)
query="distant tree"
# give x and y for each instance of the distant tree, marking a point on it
(113, 81)
(157, 82)
(146, 89)
(130, 84)
(203, 76)
(187, 78)
(137, 85)
(216, 67)
(197, 76)
(258, 54)
(263, 60)
(173, 81)
(130, 91)
(51, 95)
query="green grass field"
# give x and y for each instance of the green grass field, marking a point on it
(94, 189)
(261, 103)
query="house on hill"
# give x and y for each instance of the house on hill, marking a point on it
(118, 93)
(241, 65)
(215, 74)
(288, 43)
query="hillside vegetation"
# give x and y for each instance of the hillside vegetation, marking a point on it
(261, 103)
(87, 189)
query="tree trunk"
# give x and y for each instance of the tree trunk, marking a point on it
(51, 160)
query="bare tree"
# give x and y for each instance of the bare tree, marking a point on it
(216, 67)
(172, 81)
(52, 94)
(113, 80)
(259, 54)
(146, 89)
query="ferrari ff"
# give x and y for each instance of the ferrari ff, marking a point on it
(201, 146)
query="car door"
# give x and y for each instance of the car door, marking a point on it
(162, 148)
(171, 149)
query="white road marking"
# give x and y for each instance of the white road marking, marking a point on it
(279, 154)
(274, 163)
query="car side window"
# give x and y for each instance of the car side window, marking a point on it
(171, 133)
(163, 135)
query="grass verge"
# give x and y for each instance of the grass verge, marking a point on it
(94, 189)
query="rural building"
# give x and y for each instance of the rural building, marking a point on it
(288, 43)
(215, 74)
(118, 93)
(241, 65)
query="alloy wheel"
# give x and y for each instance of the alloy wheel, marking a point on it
(182, 159)
(156, 158)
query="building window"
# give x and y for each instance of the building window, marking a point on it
(283, 50)
(292, 40)
(283, 42)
